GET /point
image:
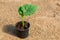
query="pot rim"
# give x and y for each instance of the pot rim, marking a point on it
(24, 29)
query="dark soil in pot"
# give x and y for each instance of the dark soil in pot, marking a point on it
(22, 32)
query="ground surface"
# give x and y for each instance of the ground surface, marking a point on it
(45, 23)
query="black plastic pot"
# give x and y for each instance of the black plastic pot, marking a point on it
(22, 33)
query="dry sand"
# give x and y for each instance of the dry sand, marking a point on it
(45, 23)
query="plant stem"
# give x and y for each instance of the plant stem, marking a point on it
(23, 21)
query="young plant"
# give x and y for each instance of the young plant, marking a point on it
(26, 10)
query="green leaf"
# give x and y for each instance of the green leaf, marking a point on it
(27, 9)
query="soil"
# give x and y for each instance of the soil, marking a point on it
(20, 27)
(44, 24)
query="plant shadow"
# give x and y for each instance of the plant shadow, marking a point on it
(10, 29)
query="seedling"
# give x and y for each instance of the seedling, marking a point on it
(26, 10)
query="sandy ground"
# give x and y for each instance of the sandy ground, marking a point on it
(45, 23)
